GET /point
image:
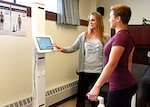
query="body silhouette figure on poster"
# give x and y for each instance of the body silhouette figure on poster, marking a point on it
(1, 21)
(18, 21)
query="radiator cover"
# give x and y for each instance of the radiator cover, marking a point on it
(52, 96)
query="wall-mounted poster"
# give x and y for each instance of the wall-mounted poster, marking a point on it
(18, 20)
(4, 18)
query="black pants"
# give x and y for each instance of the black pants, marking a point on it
(121, 98)
(85, 83)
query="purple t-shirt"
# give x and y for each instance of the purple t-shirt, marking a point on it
(121, 78)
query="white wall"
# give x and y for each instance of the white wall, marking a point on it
(139, 10)
(15, 66)
(16, 59)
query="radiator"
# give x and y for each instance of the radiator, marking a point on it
(52, 96)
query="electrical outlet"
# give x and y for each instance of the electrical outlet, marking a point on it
(148, 53)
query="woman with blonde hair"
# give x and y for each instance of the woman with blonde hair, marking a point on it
(90, 45)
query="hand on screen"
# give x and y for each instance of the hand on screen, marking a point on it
(59, 49)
